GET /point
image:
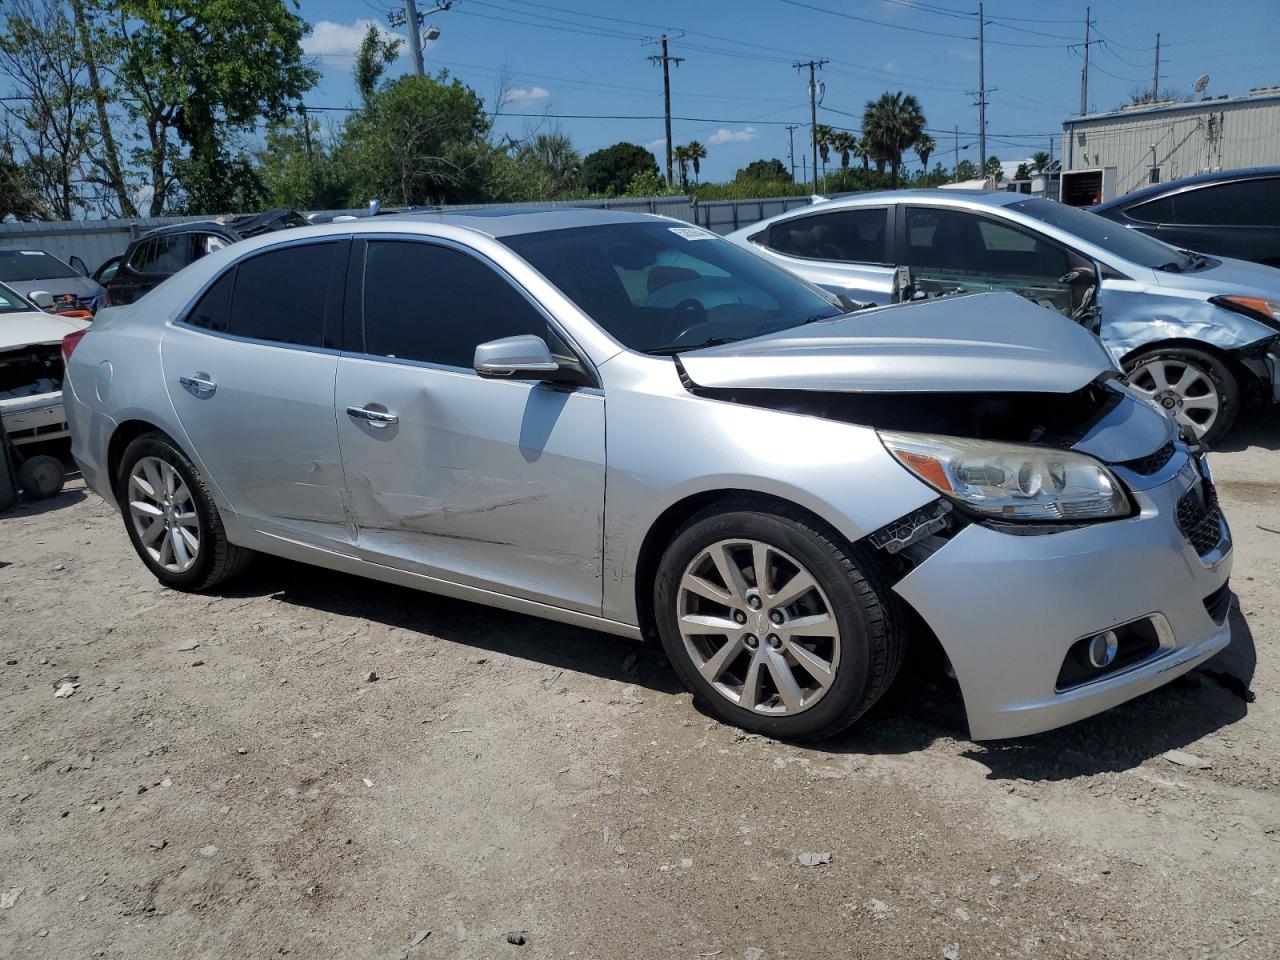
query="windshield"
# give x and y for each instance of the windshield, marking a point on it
(1129, 244)
(11, 302)
(32, 265)
(662, 287)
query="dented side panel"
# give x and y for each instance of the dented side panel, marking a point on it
(1133, 318)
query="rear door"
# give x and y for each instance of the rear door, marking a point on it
(489, 483)
(846, 251)
(250, 370)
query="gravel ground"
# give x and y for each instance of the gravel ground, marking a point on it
(226, 782)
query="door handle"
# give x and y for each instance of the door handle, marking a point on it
(199, 386)
(375, 418)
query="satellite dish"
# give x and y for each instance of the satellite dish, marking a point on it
(1201, 82)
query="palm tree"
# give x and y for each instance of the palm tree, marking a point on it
(822, 135)
(892, 124)
(924, 150)
(696, 152)
(1039, 161)
(992, 170)
(844, 144)
(863, 152)
(681, 155)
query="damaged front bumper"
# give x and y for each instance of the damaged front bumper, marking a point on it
(33, 418)
(1008, 609)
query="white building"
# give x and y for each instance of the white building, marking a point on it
(1154, 142)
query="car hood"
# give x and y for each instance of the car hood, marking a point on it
(1230, 277)
(26, 329)
(79, 287)
(980, 342)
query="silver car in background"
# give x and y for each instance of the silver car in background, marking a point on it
(1196, 334)
(629, 424)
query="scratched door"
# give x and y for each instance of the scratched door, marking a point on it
(490, 483)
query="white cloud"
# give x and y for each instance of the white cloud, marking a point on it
(659, 144)
(964, 53)
(526, 95)
(725, 135)
(330, 39)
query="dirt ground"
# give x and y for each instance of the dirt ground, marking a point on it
(257, 796)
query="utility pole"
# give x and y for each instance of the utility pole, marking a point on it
(666, 61)
(412, 19)
(982, 94)
(791, 148)
(813, 66)
(1084, 70)
(957, 163)
(1155, 77)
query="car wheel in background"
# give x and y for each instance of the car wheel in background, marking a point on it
(41, 477)
(1195, 386)
(775, 622)
(171, 519)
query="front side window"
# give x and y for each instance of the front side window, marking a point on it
(961, 243)
(661, 287)
(849, 236)
(435, 304)
(162, 255)
(1159, 210)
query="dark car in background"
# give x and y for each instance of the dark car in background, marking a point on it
(1229, 213)
(160, 253)
(29, 271)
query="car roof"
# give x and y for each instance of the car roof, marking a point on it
(1173, 186)
(989, 198)
(212, 226)
(511, 221)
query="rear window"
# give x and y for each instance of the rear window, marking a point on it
(853, 236)
(1244, 203)
(162, 256)
(33, 265)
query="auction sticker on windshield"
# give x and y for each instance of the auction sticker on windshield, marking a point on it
(692, 233)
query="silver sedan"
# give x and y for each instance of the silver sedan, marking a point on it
(626, 423)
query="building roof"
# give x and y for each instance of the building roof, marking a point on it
(1207, 103)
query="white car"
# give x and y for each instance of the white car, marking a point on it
(31, 369)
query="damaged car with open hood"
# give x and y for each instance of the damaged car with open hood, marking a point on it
(625, 423)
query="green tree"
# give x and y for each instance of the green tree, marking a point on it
(892, 124)
(696, 153)
(191, 75)
(992, 169)
(765, 170)
(1039, 161)
(544, 167)
(863, 152)
(966, 170)
(418, 140)
(377, 52)
(19, 193)
(681, 156)
(822, 135)
(1023, 172)
(844, 143)
(925, 146)
(297, 169)
(611, 170)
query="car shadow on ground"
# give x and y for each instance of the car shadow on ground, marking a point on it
(1258, 426)
(922, 706)
(34, 508)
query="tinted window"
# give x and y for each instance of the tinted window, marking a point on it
(281, 295)
(433, 303)
(656, 286)
(1243, 203)
(213, 312)
(1132, 245)
(857, 236)
(163, 255)
(958, 242)
(1159, 210)
(206, 243)
(32, 265)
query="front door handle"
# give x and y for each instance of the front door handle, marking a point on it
(375, 418)
(199, 386)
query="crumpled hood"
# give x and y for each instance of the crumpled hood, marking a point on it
(32, 327)
(980, 342)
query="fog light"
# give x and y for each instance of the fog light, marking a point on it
(1103, 649)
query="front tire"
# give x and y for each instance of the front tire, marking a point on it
(774, 622)
(1197, 388)
(171, 518)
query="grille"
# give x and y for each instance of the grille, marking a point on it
(1152, 462)
(1199, 517)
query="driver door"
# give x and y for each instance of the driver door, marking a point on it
(489, 483)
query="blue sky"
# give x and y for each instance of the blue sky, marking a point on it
(584, 57)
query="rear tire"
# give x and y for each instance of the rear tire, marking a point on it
(171, 518)
(813, 679)
(41, 477)
(1193, 385)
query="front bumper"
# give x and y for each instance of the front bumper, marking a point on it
(33, 418)
(1007, 608)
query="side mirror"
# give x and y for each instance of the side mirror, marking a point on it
(41, 298)
(525, 357)
(78, 266)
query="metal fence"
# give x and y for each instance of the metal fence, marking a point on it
(95, 241)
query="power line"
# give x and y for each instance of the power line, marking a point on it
(813, 66)
(666, 60)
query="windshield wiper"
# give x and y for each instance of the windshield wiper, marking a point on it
(671, 351)
(1173, 266)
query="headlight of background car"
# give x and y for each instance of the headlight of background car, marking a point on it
(1266, 311)
(1012, 481)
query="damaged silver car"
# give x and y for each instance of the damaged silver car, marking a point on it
(628, 424)
(1198, 335)
(31, 369)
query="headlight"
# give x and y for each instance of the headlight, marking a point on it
(1267, 311)
(1011, 481)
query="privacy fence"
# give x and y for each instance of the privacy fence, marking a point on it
(95, 241)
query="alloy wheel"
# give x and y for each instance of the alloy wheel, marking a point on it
(1182, 388)
(757, 627)
(164, 515)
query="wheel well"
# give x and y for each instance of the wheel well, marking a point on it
(664, 528)
(125, 434)
(1244, 376)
